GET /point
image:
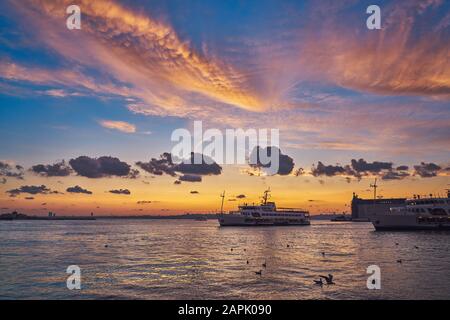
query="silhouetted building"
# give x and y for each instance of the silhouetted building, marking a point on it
(362, 209)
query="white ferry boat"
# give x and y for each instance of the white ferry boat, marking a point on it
(265, 214)
(431, 213)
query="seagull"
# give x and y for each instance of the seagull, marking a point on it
(399, 261)
(231, 249)
(106, 246)
(287, 246)
(258, 272)
(264, 264)
(323, 253)
(247, 261)
(328, 279)
(396, 243)
(416, 247)
(318, 282)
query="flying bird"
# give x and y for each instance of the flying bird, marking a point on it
(328, 279)
(318, 282)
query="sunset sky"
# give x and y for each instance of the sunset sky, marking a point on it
(83, 112)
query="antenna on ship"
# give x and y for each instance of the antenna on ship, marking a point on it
(223, 197)
(266, 196)
(374, 186)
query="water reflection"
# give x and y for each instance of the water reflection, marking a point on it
(196, 260)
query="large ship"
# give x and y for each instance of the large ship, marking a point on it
(265, 214)
(419, 213)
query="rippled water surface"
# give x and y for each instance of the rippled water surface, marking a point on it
(181, 259)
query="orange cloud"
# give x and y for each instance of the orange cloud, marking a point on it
(146, 53)
(408, 56)
(59, 77)
(118, 125)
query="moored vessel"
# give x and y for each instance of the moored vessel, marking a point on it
(265, 214)
(419, 213)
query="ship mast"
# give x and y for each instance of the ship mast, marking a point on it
(266, 196)
(223, 197)
(374, 186)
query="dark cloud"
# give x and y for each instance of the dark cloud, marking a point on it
(59, 169)
(194, 192)
(134, 174)
(285, 163)
(120, 191)
(11, 171)
(78, 189)
(205, 166)
(4, 165)
(327, 170)
(363, 166)
(42, 189)
(385, 170)
(100, 167)
(159, 166)
(189, 170)
(426, 170)
(144, 202)
(240, 196)
(190, 178)
(394, 175)
(360, 168)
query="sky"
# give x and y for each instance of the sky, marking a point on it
(86, 116)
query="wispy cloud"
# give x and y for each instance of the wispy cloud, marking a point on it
(163, 70)
(145, 61)
(118, 125)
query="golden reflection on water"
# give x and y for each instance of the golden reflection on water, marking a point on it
(182, 259)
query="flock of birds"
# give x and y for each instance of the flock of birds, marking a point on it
(323, 280)
(328, 279)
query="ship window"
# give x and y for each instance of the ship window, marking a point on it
(437, 212)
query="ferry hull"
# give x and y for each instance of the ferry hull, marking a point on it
(235, 220)
(413, 228)
(407, 222)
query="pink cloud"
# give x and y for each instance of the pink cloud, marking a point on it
(118, 125)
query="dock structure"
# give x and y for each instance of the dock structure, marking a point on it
(363, 209)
